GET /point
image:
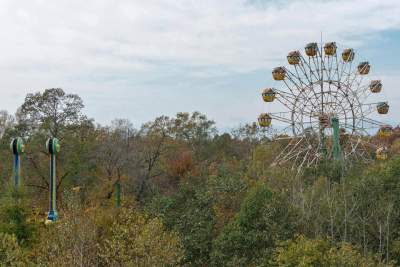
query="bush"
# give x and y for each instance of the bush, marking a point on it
(263, 220)
(137, 240)
(14, 215)
(190, 213)
(11, 253)
(303, 252)
(71, 241)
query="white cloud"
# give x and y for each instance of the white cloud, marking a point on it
(92, 46)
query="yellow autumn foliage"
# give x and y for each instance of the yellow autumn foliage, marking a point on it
(136, 240)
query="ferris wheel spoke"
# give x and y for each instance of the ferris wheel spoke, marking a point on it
(367, 109)
(326, 66)
(363, 92)
(300, 77)
(285, 94)
(372, 122)
(303, 65)
(351, 127)
(302, 96)
(316, 65)
(297, 87)
(351, 75)
(301, 110)
(362, 88)
(334, 66)
(304, 91)
(348, 101)
(309, 86)
(327, 62)
(314, 99)
(297, 126)
(357, 78)
(300, 85)
(330, 64)
(287, 99)
(344, 71)
(337, 69)
(280, 117)
(364, 96)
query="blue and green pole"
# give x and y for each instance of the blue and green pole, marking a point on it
(336, 151)
(17, 148)
(53, 148)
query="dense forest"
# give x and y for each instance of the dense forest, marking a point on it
(191, 196)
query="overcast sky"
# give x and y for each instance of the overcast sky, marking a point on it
(140, 59)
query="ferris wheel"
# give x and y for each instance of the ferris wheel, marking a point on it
(327, 107)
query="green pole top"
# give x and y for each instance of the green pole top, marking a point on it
(53, 146)
(17, 146)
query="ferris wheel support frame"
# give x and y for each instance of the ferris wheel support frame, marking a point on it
(327, 113)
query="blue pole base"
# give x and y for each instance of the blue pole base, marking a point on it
(52, 216)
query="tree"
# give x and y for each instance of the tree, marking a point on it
(137, 240)
(114, 153)
(263, 220)
(227, 188)
(7, 121)
(190, 213)
(50, 111)
(253, 133)
(152, 140)
(193, 128)
(304, 252)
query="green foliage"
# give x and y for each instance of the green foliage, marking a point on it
(194, 128)
(190, 213)
(107, 237)
(331, 169)
(136, 240)
(227, 188)
(263, 220)
(11, 254)
(50, 111)
(14, 217)
(71, 241)
(303, 252)
(261, 158)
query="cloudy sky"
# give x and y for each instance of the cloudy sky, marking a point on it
(140, 59)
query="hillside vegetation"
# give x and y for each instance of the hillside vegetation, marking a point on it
(190, 196)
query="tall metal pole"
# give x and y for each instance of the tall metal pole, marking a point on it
(118, 192)
(17, 148)
(336, 142)
(53, 148)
